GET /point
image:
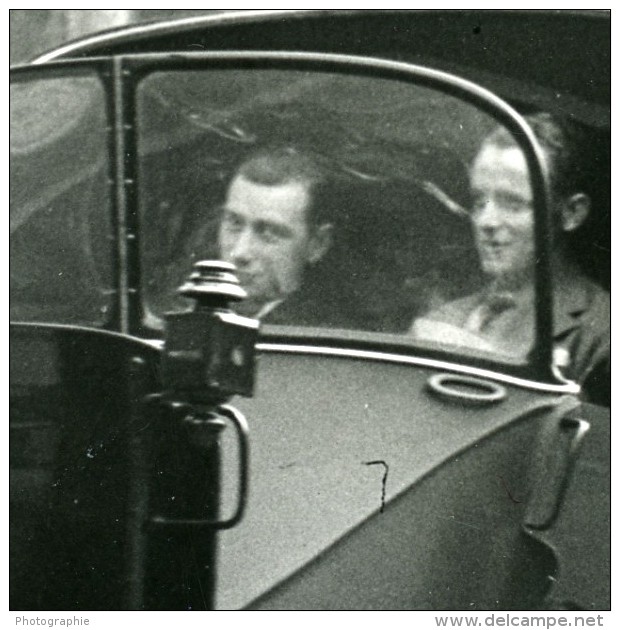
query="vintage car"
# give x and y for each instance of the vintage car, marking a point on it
(168, 453)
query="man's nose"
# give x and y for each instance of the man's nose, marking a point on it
(489, 215)
(243, 247)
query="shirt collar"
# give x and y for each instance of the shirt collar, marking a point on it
(267, 308)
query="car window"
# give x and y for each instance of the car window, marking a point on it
(61, 239)
(346, 202)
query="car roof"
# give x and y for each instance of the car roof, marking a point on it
(568, 52)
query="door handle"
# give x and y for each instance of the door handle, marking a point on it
(466, 390)
(216, 419)
(554, 461)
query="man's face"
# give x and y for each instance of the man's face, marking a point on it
(264, 233)
(502, 214)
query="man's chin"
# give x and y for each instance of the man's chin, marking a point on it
(507, 276)
(494, 268)
(252, 304)
(247, 307)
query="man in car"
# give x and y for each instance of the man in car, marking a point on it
(500, 317)
(274, 229)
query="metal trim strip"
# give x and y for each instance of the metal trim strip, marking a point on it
(144, 30)
(570, 387)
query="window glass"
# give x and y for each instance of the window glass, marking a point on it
(60, 241)
(345, 202)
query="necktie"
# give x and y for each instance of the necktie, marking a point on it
(493, 306)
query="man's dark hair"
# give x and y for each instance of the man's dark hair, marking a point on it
(274, 166)
(560, 139)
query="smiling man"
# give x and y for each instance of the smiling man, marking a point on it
(500, 317)
(273, 229)
(502, 216)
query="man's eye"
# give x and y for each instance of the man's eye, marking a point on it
(269, 234)
(232, 223)
(503, 204)
(478, 203)
(515, 204)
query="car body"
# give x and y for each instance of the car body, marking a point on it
(385, 473)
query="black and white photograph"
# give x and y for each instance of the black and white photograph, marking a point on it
(310, 310)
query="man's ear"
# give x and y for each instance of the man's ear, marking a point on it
(574, 211)
(320, 242)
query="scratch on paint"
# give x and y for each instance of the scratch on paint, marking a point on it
(289, 465)
(385, 476)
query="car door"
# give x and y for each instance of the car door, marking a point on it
(386, 471)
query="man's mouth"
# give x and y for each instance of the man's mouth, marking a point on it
(493, 247)
(245, 278)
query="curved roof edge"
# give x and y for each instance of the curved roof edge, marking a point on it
(145, 30)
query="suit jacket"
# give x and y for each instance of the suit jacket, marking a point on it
(581, 326)
(309, 307)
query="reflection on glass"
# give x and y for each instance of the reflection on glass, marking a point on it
(345, 202)
(59, 212)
